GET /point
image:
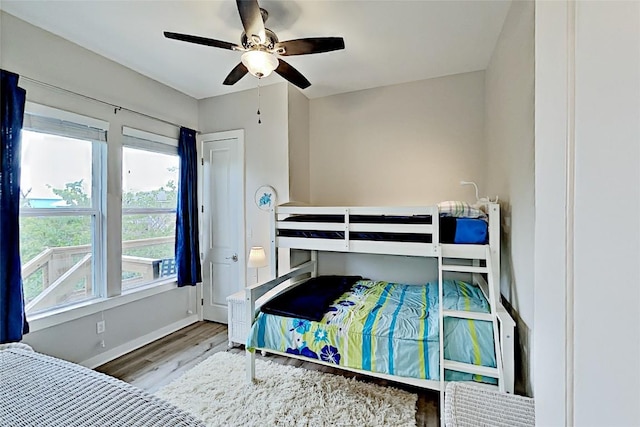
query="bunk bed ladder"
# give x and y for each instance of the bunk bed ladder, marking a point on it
(492, 316)
(441, 334)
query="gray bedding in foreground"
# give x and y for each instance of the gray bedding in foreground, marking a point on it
(40, 390)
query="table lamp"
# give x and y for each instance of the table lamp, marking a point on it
(257, 259)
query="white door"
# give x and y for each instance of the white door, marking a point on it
(223, 246)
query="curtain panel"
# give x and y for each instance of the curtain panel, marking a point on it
(13, 321)
(187, 234)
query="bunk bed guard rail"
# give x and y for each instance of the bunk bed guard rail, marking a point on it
(411, 231)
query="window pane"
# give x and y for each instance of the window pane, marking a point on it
(55, 171)
(57, 264)
(149, 179)
(147, 248)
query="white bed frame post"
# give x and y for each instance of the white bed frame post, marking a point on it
(493, 302)
(314, 259)
(273, 247)
(507, 339)
(250, 313)
(441, 331)
(506, 323)
(346, 230)
(493, 209)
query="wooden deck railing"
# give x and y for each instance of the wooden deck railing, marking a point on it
(67, 272)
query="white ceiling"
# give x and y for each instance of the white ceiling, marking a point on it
(387, 42)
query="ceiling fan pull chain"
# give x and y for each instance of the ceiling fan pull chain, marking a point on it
(259, 121)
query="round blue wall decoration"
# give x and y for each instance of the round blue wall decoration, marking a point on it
(265, 197)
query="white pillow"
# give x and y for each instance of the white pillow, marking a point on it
(459, 209)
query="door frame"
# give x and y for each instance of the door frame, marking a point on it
(237, 134)
(552, 356)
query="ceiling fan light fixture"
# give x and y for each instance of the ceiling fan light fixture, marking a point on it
(259, 63)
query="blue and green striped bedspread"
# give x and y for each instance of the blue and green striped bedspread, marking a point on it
(390, 328)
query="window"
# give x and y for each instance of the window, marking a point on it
(64, 216)
(61, 211)
(150, 172)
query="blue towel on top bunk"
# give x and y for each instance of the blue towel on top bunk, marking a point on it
(470, 230)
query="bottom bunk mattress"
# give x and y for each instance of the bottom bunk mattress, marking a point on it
(389, 328)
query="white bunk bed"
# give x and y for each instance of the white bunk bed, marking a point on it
(476, 260)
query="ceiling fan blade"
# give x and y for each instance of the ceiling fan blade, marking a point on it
(310, 45)
(251, 18)
(292, 75)
(236, 74)
(201, 40)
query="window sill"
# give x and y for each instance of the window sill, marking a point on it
(60, 315)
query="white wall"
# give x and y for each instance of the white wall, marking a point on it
(587, 300)
(128, 326)
(407, 144)
(509, 136)
(266, 148)
(32, 52)
(298, 123)
(607, 173)
(390, 268)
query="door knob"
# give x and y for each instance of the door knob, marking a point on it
(234, 257)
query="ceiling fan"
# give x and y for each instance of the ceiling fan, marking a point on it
(261, 47)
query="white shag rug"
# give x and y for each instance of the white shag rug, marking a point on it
(217, 392)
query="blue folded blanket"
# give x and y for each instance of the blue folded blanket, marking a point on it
(311, 299)
(471, 230)
(463, 230)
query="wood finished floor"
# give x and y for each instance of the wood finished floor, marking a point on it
(160, 362)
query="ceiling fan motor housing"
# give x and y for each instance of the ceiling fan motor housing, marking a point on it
(249, 43)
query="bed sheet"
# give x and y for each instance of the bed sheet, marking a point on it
(390, 328)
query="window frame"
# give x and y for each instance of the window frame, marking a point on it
(147, 141)
(52, 121)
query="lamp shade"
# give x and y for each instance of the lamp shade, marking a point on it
(259, 63)
(257, 257)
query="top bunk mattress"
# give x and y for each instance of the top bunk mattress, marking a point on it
(452, 230)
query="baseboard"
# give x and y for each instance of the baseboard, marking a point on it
(129, 346)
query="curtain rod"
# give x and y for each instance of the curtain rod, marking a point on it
(116, 108)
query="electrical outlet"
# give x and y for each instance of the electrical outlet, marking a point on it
(100, 327)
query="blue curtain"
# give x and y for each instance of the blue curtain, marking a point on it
(13, 321)
(187, 245)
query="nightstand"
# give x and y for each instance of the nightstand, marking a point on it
(238, 327)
